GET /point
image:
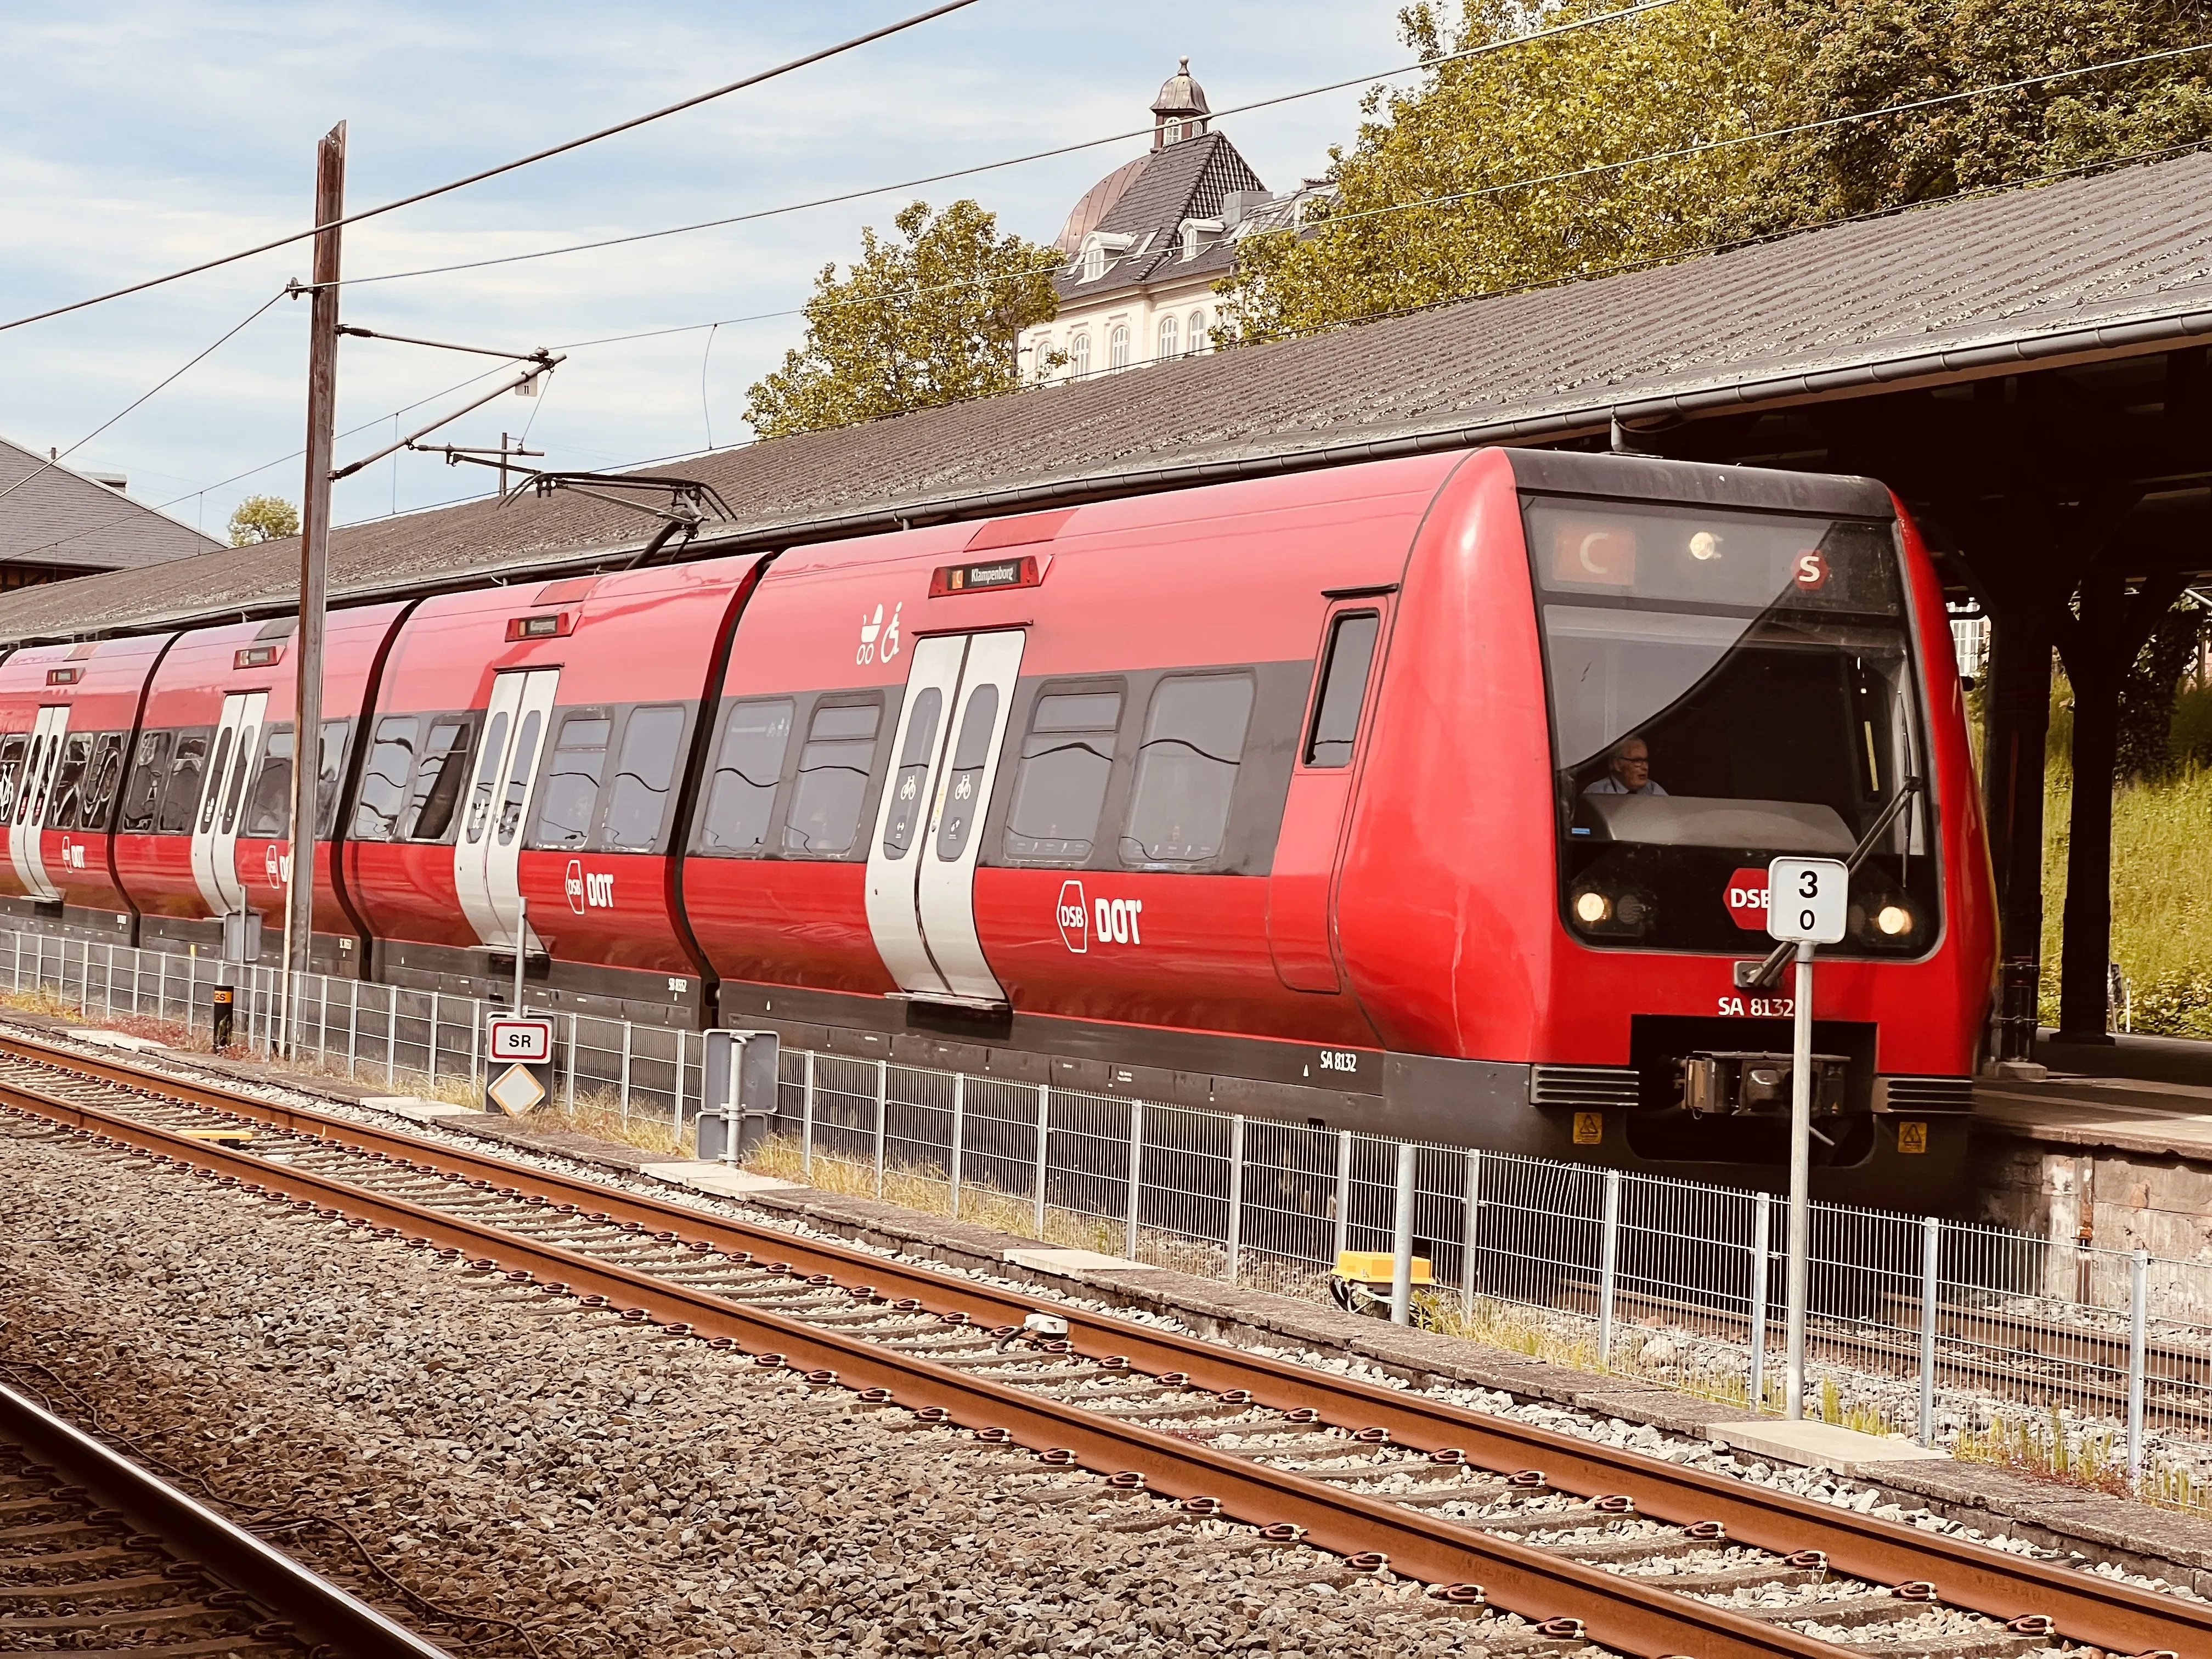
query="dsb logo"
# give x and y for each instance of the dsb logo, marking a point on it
(1074, 918)
(1746, 900)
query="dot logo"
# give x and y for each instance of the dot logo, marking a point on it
(572, 885)
(1074, 918)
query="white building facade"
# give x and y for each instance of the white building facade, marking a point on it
(1146, 244)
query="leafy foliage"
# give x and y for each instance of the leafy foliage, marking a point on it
(262, 519)
(927, 319)
(1518, 153)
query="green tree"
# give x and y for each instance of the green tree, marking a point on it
(931, 318)
(1465, 137)
(262, 519)
(1703, 72)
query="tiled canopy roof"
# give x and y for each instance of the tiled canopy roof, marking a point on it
(2093, 267)
(55, 516)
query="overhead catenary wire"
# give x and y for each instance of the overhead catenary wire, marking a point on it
(980, 168)
(479, 176)
(57, 458)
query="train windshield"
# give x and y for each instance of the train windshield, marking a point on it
(1727, 687)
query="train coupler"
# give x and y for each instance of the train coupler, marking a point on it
(1738, 1083)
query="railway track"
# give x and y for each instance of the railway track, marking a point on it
(1585, 1543)
(99, 1557)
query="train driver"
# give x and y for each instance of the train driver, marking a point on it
(1628, 771)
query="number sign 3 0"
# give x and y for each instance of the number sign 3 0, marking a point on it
(1806, 900)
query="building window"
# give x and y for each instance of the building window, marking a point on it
(1198, 340)
(1174, 132)
(1078, 355)
(1117, 347)
(1094, 263)
(1167, 337)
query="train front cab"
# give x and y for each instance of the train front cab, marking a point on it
(203, 828)
(67, 717)
(1777, 644)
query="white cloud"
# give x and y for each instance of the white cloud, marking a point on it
(140, 137)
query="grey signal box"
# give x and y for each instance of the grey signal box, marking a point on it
(740, 1094)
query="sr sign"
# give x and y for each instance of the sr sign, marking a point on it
(1806, 900)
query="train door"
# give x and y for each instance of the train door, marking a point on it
(215, 831)
(487, 851)
(1302, 882)
(922, 864)
(26, 832)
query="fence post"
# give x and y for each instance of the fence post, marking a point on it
(110, 977)
(807, 1121)
(323, 1025)
(1762, 1224)
(2138, 1279)
(391, 1036)
(1343, 1197)
(681, 1045)
(19, 965)
(625, 1070)
(575, 1037)
(1609, 1265)
(1043, 1140)
(1402, 1239)
(1931, 1256)
(353, 1027)
(476, 1042)
(1136, 1175)
(433, 1042)
(1469, 1242)
(161, 986)
(959, 1116)
(1235, 1240)
(883, 1094)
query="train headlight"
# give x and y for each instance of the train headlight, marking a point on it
(1592, 907)
(1612, 905)
(1894, 919)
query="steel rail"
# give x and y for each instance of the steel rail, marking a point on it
(319, 1610)
(1614, 1611)
(2119, 1617)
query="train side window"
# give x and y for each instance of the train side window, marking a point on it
(644, 773)
(1187, 769)
(519, 770)
(330, 774)
(11, 770)
(142, 796)
(571, 783)
(234, 789)
(268, 802)
(384, 779)
(494, 744)
(99, 793)
(910, 794)
(1060, 783)
(824, 820)
(33, 770)
(181, 798)
(1343, 689)
(755, 737)
(68, 782)
(438, 780)
(211, 795)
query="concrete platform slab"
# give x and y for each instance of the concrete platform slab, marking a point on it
(718, 1179)
(1062, 1261)
(116, 1040)
(1844, 1450)
(418, 1108)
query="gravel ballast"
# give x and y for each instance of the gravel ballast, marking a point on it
(607, 1488)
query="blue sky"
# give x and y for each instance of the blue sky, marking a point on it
(139, 137)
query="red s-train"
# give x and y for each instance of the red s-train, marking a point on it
(1317, 798)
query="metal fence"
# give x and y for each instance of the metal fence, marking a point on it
(2094, 1358)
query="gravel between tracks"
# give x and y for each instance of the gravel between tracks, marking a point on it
(614, 1490)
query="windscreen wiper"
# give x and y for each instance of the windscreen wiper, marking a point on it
(1761, 975)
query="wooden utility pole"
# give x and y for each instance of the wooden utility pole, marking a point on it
(314, 559)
